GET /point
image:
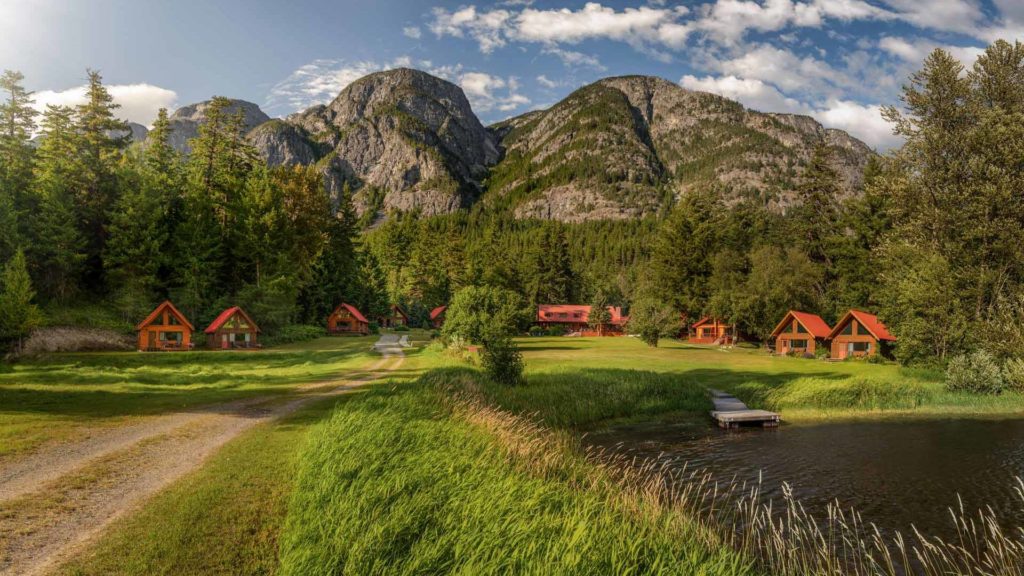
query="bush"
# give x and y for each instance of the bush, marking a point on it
(374, 328)
(293, 333)
(977, 372)
(503, 362)
(537, 331)
(1013, 374)
(401, 328)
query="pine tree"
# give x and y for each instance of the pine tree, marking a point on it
(816, 216)
(17, 122)
(102, 140)
(599, 316)
(18, 313)
(57, 248)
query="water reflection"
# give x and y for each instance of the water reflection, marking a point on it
(895, 473)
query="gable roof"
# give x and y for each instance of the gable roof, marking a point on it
(225, 315)
(437, 312)
(814, 324)
(707, 319)
(166, 304)
(397, 308)
(351, 310)
(867, 320)
(575, 313)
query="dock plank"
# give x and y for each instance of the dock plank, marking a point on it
(730, 412)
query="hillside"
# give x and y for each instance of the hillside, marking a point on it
(621, 147)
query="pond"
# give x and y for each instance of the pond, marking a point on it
(897, 474)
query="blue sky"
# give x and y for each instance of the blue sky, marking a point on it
(837, 60)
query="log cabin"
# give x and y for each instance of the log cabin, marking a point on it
(437, 317)
(709, 330)
(165, 330)
(859, 333)
(395, 317)
(576, 318)
(800, 333)
(233, 328)
(346, 319)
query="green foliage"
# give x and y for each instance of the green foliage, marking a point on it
(19, 314)
(653, 320)
(502, 361)
(1013, 374)
(292, 333)
(481, 313)
(977, 372)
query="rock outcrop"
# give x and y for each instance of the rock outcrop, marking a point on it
(186, 120)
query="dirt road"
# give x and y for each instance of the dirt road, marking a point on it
(54, 502)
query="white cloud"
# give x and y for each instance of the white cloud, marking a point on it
(413, 32)
(947, 15)
(785, 69)
(863, 121)
(139, 102)
(321, 81)
(915, 50)
(547, 82)
(487, 93)
(728, 21)
(752, 93)
(573, 59)
(487, 28)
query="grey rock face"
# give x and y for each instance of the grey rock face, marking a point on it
(621, 147)
(186, 120)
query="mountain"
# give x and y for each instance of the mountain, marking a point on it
(185, 121)
(403, 140)
(622, 147)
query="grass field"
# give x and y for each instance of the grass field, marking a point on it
(437, 469)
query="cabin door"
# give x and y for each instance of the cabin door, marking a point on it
(224, 342)
(152, 340)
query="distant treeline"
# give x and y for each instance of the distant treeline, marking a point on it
(933, 244)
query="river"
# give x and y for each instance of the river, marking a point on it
(897, 474)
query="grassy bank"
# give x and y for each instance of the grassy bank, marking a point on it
(428, 483)
(58, 397)
(583, 382)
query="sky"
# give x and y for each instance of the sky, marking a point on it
(836, 60)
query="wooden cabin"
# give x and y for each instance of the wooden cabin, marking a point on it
(800, 333)
(437, 317)
(576, 318)
(710, 330)
(165, 329)
(395, 317)
(859, 333)
(346, 319)
(233, 328)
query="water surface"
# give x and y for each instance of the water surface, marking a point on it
(895, 473)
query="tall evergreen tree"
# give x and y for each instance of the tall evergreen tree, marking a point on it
(19, 314)
(17, 122)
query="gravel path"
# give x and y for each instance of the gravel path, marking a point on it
(56, 501)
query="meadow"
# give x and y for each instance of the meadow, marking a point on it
(436, 469)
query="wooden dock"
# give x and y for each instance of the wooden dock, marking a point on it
(730, 412)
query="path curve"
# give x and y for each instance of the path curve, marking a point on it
(56, 501)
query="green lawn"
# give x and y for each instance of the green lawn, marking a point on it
(439, 470)
(57, 397)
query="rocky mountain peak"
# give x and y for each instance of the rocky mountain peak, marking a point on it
(185, 121)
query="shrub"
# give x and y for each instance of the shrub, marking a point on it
(293, 333)
(503, 362)
(556, 331)
(977, 372)
(401, 328)
(1013, 374)
(374, 328)
(537, 331)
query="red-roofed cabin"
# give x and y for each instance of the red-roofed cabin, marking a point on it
(710, 330)
(800, 333)
(576, 318)
(395, 317)
(346, 319)
(437, 317)
(859, 334)
(165, 329)
(232, 329)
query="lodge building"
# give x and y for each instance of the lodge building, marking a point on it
(800, 333)
(576, 318)
(859, 333)
(165, 330)
(347, 319)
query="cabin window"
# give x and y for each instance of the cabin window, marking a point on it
(172, 320)
(848, 329)
(861, 330)
(860, 346)
(170, 337)
(798, 344)
(800, 328)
